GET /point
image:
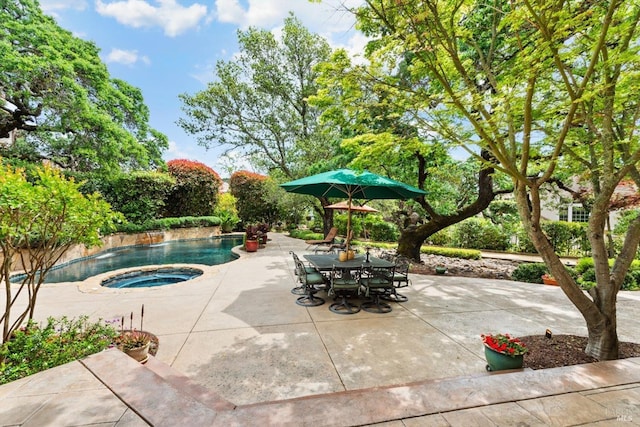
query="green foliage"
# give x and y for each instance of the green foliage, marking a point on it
(380, 230)
(61, 98)
(253, 192)
(196, 188)
(170, 223)
(258, 101)
(140, 196)
(567, 238)
(586, 274)
(451, 252)
(43, 216)
(529, 272)
(479, 233)
(33, 349)
(441, 238)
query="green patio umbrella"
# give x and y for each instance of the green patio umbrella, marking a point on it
(352, 185)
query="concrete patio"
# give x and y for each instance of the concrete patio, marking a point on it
(235, 349)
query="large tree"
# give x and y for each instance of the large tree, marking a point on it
(372, 106)
(258, 104)
(57, 95)
(542, 86)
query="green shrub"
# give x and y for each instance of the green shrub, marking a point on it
(380, 230)
(139, 196)
(257, 200)
(451, 252)
(529, 272)
(33, 349)
(441, 238)
(196, 188)
(479, 233)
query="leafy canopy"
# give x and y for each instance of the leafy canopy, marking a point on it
(61, 99)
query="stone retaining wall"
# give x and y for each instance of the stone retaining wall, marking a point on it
(121, 239)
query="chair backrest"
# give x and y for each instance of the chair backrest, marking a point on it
(384, 275)
(331, 235)
(344, 243)
(345, 275)
(296, 262)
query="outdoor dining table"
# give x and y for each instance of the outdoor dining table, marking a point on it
(325, 262)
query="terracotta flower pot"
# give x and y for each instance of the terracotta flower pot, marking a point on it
(548, 280)
(251, 245)
(141, 354)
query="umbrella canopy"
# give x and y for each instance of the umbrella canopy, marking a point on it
(345, 206)
(353, 185)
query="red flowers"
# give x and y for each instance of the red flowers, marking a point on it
(505, 344)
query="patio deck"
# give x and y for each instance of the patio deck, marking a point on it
(235, 349)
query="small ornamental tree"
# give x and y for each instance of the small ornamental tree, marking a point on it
(195, 192)
(252, 193)
(40, 219)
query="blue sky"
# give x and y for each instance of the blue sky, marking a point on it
(169, 47)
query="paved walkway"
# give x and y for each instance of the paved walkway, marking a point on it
(236, 350)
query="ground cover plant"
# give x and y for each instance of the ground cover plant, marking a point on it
(35, 348)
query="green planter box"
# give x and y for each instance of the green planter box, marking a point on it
(500, 362)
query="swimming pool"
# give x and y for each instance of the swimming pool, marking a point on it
(213, 251)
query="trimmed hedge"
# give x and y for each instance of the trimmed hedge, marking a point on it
(451, 252)
(169, 223)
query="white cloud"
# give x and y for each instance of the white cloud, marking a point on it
(51, 6)
(126, 57)
(171, 16)
(175, 152)
(330, 18)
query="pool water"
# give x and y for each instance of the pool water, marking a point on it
(151, 278)
(211, 251)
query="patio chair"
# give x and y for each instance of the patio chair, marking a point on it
(300, 290)
(310, 283)
(343, 284)
(377, 282)
(335, 246)
(328, 239)
(400, 280)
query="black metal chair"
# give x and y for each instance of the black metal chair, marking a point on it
(377, 281)
(310, 283)
(300, 290)
(343, 284)
(400, 280)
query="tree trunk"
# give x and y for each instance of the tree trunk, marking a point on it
(412, 238)
(599, 311)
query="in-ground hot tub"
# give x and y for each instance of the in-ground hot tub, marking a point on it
(151, 278)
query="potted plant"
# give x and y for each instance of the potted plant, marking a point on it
(251, 238)
(263, 229)
(547, 279)
(135, 344)
(503, 351)
(228, 221)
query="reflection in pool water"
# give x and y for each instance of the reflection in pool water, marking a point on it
(212, 251)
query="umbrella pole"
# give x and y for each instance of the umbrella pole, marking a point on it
(348, 223)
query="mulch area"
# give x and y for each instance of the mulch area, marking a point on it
(565, 350)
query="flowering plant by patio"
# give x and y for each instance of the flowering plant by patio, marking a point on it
(505, 344)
